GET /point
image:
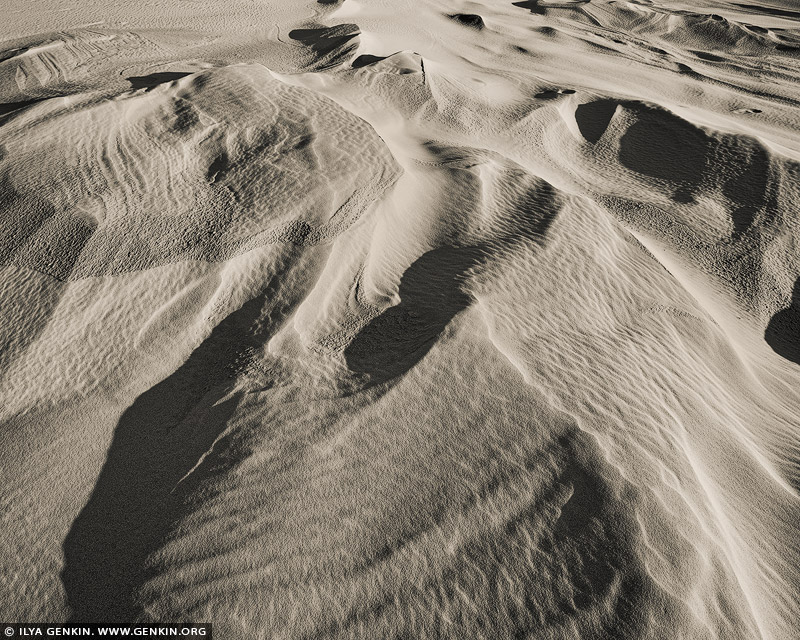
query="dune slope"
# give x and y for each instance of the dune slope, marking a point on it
(402, 320)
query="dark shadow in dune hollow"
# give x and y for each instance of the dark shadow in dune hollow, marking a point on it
(783, 330)
(552, 94)
(365, 60)
(531, 5)
(430, 296)
(593, 118)
(471, 20)
(664, 146)
(657, 144)
(330, 45)
(432, 292)
(7, 108)
(154, 79)
(535, 6)
(135, 502)
(708, 57)
(325, 39)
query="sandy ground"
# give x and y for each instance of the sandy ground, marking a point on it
(410, 319)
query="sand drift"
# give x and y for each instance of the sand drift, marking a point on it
(402, 320)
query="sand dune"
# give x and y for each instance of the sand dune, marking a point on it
(360, 319)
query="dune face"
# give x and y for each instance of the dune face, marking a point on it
(359, 319)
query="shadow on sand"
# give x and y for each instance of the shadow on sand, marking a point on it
(433, 290)
(431, 294)
(664, 146)
(139, 495)
(152, 80)
(158, 440)
(330, 45)
(783, 330)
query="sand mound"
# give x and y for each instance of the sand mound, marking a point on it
(201, 167)
(64, 63)
(358, 320)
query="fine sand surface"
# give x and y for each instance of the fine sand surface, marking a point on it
(397, 320)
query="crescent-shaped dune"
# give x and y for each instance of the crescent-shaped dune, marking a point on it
(357, 319)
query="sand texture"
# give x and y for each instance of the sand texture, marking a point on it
(402, 320)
